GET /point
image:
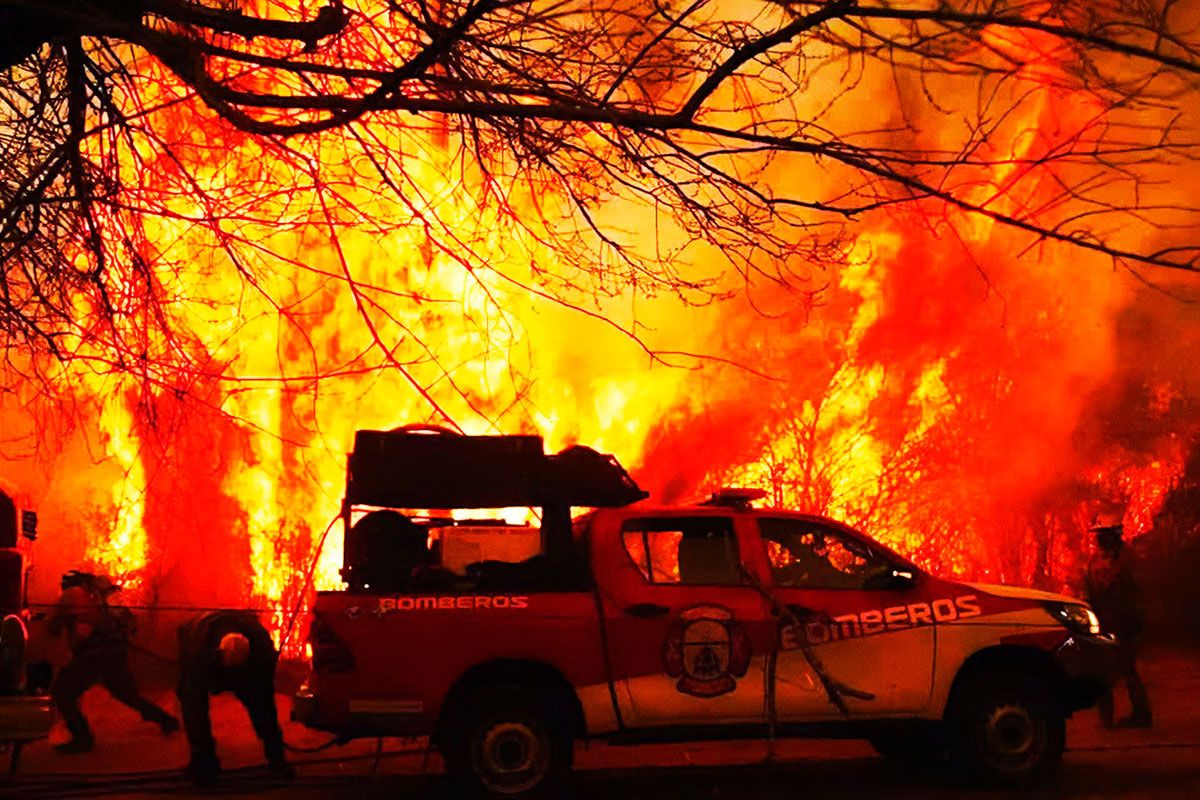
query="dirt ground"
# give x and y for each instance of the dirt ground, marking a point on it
(133, 760)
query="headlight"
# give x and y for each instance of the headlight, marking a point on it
(1075, 616)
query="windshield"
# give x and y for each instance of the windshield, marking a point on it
(811, 554)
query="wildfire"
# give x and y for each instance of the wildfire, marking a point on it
(930, 395)
(122, 553)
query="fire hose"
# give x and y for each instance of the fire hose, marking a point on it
(835, 690)
(291, 748)
(238, 780)
(286, 632)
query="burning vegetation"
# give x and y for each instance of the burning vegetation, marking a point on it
(926, 267)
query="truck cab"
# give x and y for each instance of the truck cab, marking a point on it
(641, 623)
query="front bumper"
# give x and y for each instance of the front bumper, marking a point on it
(25, 717)
(1090, 664)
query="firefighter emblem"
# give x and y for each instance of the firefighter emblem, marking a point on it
(707, 649)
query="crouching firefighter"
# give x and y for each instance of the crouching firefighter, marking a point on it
(98, 635)
(228, 651)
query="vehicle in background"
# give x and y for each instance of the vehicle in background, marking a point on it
(25, 711)
(644, 623)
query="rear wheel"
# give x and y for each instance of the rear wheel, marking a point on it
(508, 741)
(1010, 731)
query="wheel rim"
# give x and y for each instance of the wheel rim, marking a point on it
(510, 758)
(1013, 738)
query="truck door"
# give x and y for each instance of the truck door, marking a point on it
(867, 628)
(686, 635)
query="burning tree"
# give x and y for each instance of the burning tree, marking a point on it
(693, 111)
(224, 223)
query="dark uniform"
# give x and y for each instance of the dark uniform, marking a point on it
(98, 636)
(202, 673)
(1112, 593)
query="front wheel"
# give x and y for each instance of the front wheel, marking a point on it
(1009, 729)
(511, 743)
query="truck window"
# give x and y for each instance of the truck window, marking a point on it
(683, 550)
(807, 555)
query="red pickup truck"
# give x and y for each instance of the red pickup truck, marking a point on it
(639, 623)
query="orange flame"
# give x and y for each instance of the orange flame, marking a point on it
(928, 397)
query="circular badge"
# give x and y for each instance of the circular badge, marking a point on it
(707, 649)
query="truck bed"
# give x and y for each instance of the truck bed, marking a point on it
(432, 640)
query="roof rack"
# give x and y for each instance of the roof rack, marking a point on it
(734, 497)
(424, 466)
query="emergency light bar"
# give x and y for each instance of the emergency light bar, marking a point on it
(734, 497)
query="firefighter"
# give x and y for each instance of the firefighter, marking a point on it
(228, 651)
(1113, 595)
(98, 636)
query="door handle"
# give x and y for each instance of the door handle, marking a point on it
(646, 610)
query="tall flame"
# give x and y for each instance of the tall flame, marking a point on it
(122, 553)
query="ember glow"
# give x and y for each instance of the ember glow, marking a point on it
(937, 379)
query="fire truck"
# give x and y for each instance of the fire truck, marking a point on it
(633, 623)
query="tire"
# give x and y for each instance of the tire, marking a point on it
(1009, 731)
(508, 741)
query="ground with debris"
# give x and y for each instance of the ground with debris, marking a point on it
(132, 759)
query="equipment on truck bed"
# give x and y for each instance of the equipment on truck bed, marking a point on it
(464, 545)
(426, 467)
(382, 551)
